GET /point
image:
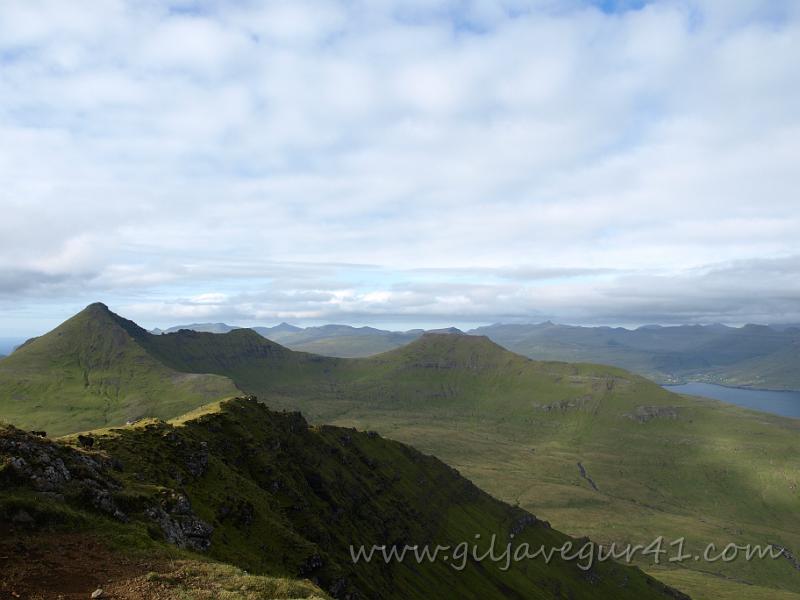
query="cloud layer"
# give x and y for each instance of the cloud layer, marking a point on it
(386, 162)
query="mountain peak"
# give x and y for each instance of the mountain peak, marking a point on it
(101, 316)
(98, 358)
(97, 307)
(445, 331)
(448, 350)
(460, 339)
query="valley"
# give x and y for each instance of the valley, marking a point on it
(662, 464)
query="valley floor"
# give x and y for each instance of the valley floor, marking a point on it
(544, 478)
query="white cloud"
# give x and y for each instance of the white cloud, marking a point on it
(262, 150)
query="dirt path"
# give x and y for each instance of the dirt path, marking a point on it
(63, 566)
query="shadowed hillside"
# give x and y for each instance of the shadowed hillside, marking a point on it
(91, 371)
(265, 492)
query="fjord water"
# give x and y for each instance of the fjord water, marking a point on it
(783, 403)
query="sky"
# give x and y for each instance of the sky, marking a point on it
(400, 163)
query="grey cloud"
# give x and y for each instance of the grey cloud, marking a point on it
(522, 272)
(15, 283)
(748, 291)
(546, 159)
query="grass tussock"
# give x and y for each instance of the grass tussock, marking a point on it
(193, 580)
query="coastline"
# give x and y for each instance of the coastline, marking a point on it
(732, 387)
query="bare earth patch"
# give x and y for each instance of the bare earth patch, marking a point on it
(67, 566)
(62, 565)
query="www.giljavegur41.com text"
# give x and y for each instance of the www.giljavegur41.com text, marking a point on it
(584, 553)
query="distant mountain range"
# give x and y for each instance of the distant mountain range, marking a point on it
(203, 327)
(341, 341)
(751, 356)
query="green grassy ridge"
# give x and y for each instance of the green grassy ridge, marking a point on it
(91, 371)
(287, 500)
(713, 473)
(690, 472)
(778, 370)
(664, 464)
(345, 341)
(463, 397)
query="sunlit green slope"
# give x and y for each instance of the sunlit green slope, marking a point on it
(91, 371)
(265, 492)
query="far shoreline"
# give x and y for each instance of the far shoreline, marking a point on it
(768, 402)
(731, 387)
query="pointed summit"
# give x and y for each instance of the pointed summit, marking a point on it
(96, 369)
(98, 315)
(97, 306)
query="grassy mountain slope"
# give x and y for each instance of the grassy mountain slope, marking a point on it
(661, 464)
(753, 355)
(242, 355)
(264, 492)
(777, 370)
(350, 344)
(91, 371)
(594, 449)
